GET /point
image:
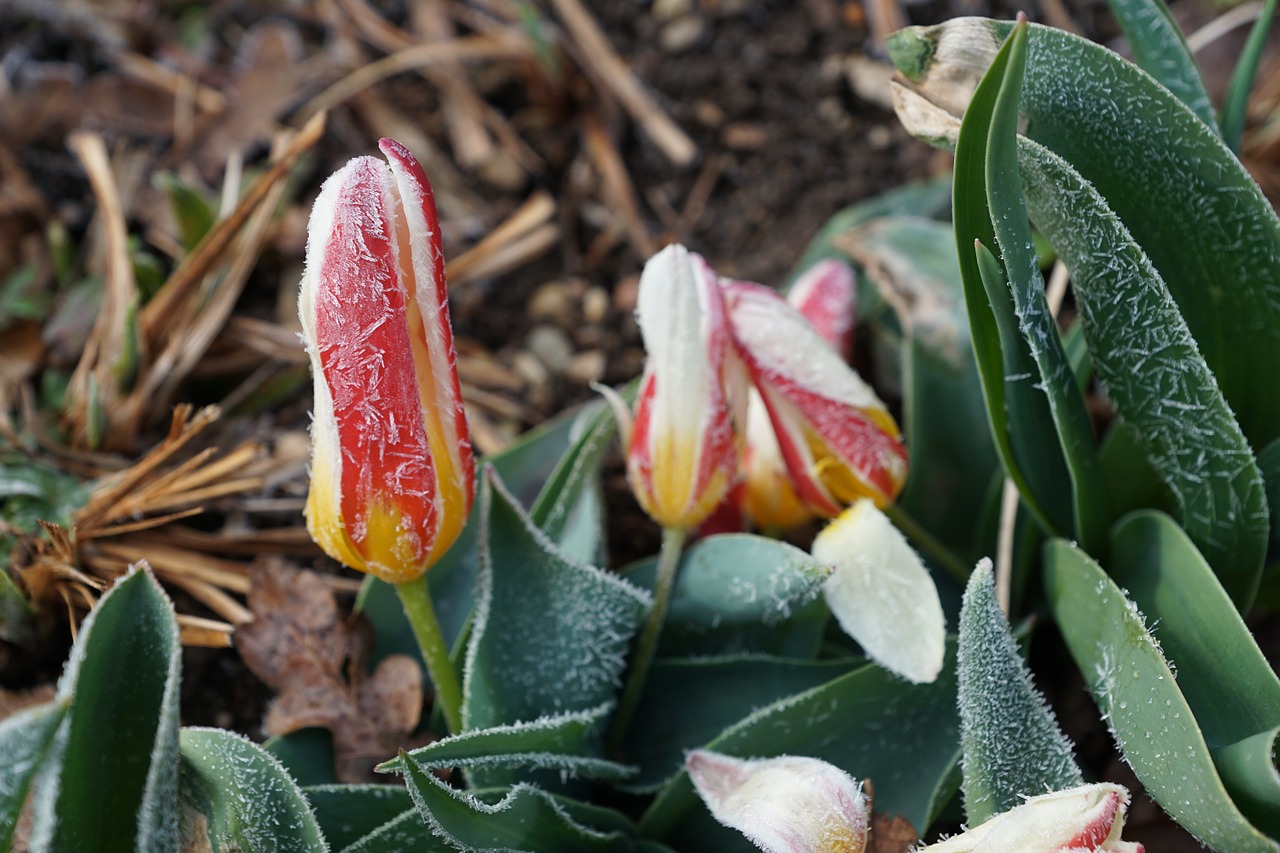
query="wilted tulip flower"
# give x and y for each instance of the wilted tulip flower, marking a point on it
(835, 435)
(392, 473)
(825, 295)
(1087, 819)
(881, 593)
(683, 455)
(783, 805)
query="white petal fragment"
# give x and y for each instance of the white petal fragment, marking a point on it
(881, 593)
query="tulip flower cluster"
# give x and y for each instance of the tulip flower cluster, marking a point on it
(705, 338)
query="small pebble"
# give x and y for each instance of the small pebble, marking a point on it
(666, 10)
(681, 34)
(552, 301)
(530, 369)
(595, 304)
(586, 367)
(551, 346)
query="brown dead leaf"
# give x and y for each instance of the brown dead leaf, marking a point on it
(299, 645)
(891, 834)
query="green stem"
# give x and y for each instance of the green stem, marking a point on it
(925, 541)
(647, 647)
(415, 598)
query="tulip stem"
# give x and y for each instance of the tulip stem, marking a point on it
(415, 598)
(926, 542)
(647, 646)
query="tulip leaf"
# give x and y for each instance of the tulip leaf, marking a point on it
(1151, 367)
(406, 831)
(307, 754)
(347, 813)
(688, 702)
(526, 818)
(1013, 748)
(121, 726)
(551, 635)
(1006, 364)
(1036, 323)
(737, 592)
(1236, 101)
(1227, 681)
(912, 262)
(1269, 464)
(569, 743)
(873, 725)
(25, 738)
(1141, 702)
(1159, 49)
(248, 798)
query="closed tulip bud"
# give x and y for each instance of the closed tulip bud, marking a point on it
(783, 805)
(837, 438)
(1087, 819)
(826, 296)
(392, 472)
(683, 454)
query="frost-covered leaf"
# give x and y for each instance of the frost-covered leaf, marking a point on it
(551, 635)
(1013, 748)
(912, 262)
(1227, 681)
(347, 813)
(307, 754)
(1235, 102)
(24, 744)
(904, 738)
(526, 818)
(881, 593)
(737, 592)
(122, 682)
(568, 742)
(249, 801)
(1159, 49)
(689, 702)
(1140, 699)
(406, 831)
(1007, 211)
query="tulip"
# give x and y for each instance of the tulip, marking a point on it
(683, 454)
(1087, 819)
(836, 437)
(881, 593)
(825, 295)
(783, 805)
(392, 473)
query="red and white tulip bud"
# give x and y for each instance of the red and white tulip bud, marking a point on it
(783, 805)
(1087, 819)
(837, 438)
(392, 472)
(683, 455)
(826, 295)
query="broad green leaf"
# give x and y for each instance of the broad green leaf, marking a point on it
(551, 635)
(1131, 481)
(687, 703)
(568, 742)
(1151, 367)
(1229, 685)
(738, 592)
(1160, 50)
(1036, 322)
(912, 262)
(307, 754)
(525, 819)
(24, 745)
(347, 813)
(194, 213)
(1236, 102)
(1013, 748)
(903, 737)
(406, 831)
(1005, 362)
(1140, 700)
(122, 682)
(250, 801)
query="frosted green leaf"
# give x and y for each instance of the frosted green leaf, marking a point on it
(406, 831)
(249, 800)
(1013, 748)
(1160, 50)
(24, 742)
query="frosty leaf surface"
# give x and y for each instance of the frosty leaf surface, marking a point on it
(1139, 698)
(1013, 748)
(738, 592)
(1160, 50)
(551, 635)
(568, 742)
(406, 831)
(122, 683)
(347, 813)
(250, 802)
(24, 743)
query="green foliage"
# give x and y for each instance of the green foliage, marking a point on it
(1236, 101)
(1160, 50)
